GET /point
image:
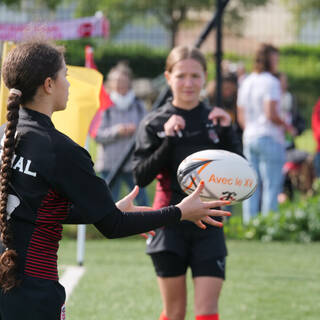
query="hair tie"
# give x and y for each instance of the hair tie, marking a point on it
(16, 91)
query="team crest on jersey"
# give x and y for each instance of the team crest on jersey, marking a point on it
(63, 312)
(213, 136)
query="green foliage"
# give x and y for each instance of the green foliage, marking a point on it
(74, 50)
(170, 14)
(302, 65)
(50, 4)
(144, 61)
(306, 141)
(303, 11)
(298, 221)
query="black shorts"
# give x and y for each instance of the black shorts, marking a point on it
(170, 264)
(34, 299)
(173, 249)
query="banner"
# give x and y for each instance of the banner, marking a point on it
(96, 26)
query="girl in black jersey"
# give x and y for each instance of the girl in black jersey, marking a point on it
(48, 180)
(165, 137)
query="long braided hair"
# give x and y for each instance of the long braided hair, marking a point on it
(24, 71)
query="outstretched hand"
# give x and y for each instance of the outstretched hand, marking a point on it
(199, 212)
(126, 204)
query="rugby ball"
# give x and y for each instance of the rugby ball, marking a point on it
(227, 176)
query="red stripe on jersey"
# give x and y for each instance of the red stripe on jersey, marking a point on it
(41, 258)
(163, 193)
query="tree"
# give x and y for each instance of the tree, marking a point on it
(170, 13)
(50, 4)
(304, 10)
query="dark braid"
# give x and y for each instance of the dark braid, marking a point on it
(8, 260)
(24, 69)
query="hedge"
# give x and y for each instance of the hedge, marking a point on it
(300, 62)
(144, 61)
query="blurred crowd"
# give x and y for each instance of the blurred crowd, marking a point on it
(269, 121)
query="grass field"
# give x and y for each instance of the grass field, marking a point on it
(278, 281)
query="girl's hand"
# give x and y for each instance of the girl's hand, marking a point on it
(193, 209)
(174, 125)
(126, 204)
(221, 115)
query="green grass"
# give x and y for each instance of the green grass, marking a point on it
(265, 281)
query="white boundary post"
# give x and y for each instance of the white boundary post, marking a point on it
(81, 243)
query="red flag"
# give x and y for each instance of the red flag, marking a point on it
(89, 61)
(105, 101)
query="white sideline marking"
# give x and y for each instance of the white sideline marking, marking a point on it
(70, 278)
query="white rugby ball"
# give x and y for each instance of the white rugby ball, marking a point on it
(227, 176)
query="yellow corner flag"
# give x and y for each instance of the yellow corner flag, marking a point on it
(83, 102)
(4, 92)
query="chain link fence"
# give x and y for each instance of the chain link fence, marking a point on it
(273, 23)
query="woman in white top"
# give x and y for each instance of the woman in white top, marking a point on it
(263, 136)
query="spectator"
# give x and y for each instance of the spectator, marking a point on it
(263, 137)
(296, 159)
(229, 97)
(117, 129)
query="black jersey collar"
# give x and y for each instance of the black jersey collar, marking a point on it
(183, 111)
(39, 117)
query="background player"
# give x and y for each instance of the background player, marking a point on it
(165, 137)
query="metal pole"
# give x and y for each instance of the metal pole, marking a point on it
(81, 240)
(212, 23)
(165, 93)
(219, 53)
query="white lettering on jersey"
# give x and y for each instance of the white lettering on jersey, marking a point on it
(27, 171)
(13, 202)
(19, 164)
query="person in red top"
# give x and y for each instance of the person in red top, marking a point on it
(316, 133)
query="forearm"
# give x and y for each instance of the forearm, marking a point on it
(274, 118)
(272, 113)
(123, 224)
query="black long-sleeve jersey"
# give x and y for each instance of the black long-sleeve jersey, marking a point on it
(158, 155)
(53, 182)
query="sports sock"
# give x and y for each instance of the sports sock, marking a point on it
(163, 316)
(208, 317)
